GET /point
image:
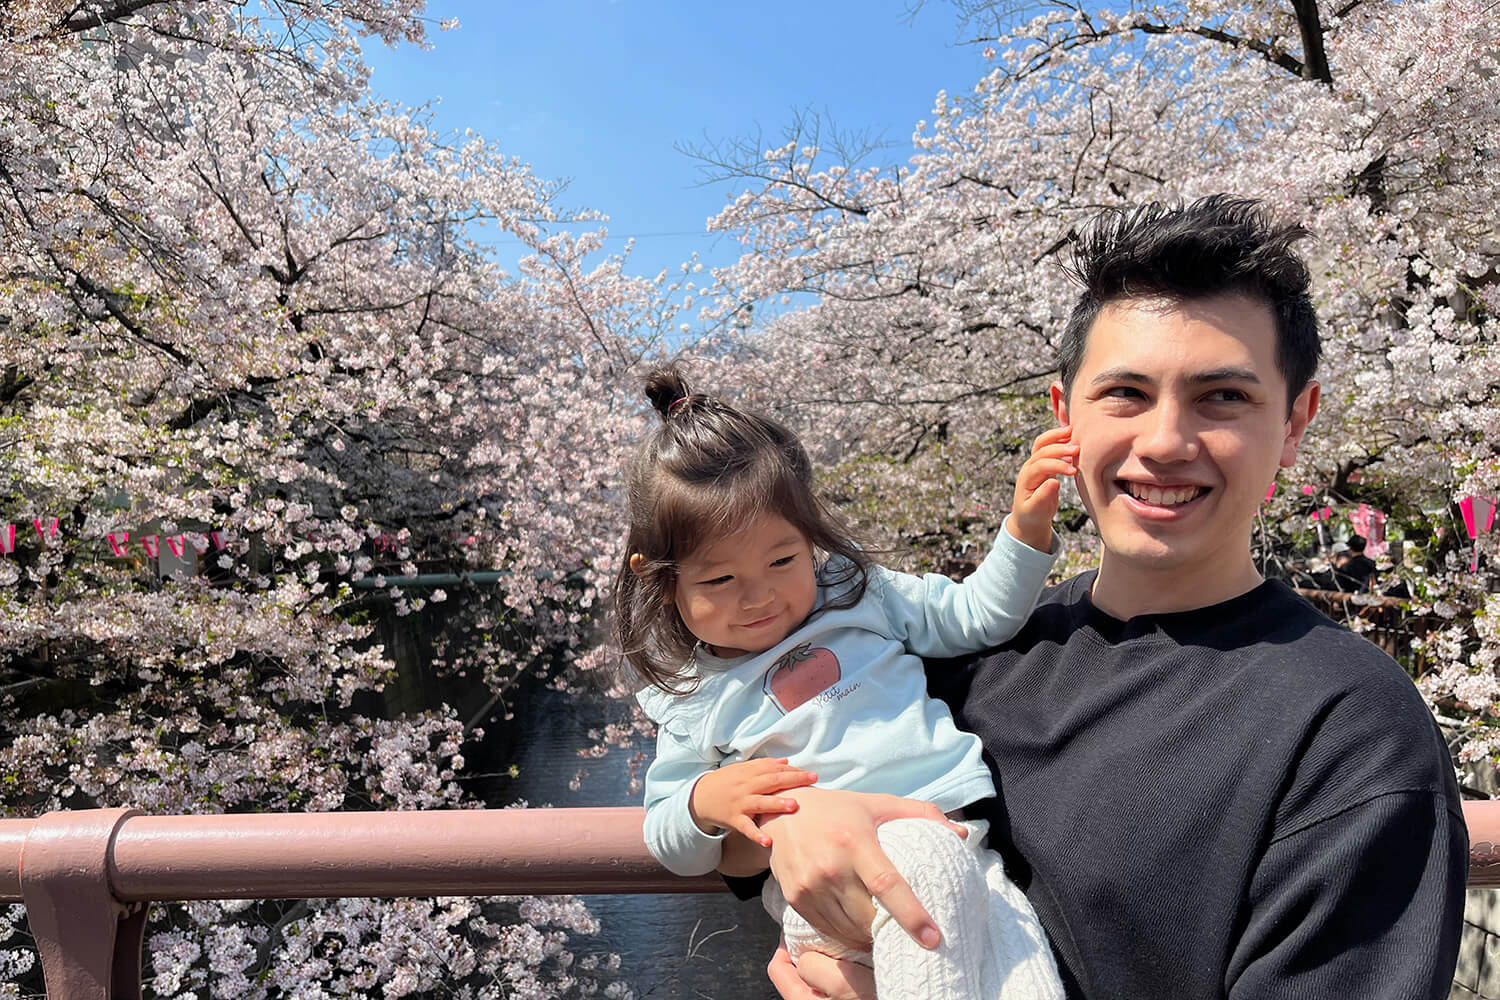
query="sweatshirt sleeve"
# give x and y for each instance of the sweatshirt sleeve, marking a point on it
(936, 616)
(1365, 903)
(671, 835)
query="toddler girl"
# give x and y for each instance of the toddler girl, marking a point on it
(770, 648)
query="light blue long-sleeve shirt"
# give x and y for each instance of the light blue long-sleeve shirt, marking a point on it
(844, 695)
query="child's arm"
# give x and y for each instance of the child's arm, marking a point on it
(1037, 488)
(731, 797)
(934, 616)
(673, 834)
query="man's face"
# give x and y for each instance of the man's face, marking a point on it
(1180, 415)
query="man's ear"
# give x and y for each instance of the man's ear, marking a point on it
(1059, 397)
(1304, 408)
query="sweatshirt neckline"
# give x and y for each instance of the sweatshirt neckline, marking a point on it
(1187, 621)
(709, 661)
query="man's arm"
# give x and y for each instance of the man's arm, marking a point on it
(829, 863)
(818, 976)
(1365, 903)
(744, 865)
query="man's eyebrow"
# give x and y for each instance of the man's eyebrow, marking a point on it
(1120, 375)
(1226, 374)
(1229, 373)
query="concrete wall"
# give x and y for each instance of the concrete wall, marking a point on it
(1478, 972)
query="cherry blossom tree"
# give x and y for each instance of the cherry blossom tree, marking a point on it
(248, 321)
(937, 289)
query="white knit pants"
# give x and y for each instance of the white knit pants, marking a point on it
(993, 946)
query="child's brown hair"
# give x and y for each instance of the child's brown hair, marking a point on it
(706, 471)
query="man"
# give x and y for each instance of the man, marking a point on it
(1206, 788)
(1353, 571)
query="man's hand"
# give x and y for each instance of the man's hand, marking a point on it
(1037, 487)
(829, 863)
(818, 976)
(730, 797)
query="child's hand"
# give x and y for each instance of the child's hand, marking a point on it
(1037, 487)
(731, 797)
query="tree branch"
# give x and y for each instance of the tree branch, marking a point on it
(74, 22)
(1314, 56)
(1275, 58)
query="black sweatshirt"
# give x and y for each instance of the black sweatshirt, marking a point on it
(1243, 801)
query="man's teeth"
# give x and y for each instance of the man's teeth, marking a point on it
(1163, 496)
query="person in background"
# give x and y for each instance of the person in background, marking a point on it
(1353, 571)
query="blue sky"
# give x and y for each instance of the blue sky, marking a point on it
(601, 92)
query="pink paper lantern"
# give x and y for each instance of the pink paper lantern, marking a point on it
(1479, 515)
(1479, 519)
(1369, 523)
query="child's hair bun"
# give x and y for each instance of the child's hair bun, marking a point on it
(666, 388)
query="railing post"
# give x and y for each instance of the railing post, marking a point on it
(89, 942)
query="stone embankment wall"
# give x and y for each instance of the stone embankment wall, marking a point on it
(1478, 972)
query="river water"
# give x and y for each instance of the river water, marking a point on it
(697, 946)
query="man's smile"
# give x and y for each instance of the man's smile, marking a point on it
(1161, 496)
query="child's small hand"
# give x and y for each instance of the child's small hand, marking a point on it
(731, 797)
(1037, 487)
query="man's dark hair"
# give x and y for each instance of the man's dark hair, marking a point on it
(1215, 246)
(1357, 544)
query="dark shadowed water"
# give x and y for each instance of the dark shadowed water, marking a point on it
(691, 946)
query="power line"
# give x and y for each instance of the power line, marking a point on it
(636, 236)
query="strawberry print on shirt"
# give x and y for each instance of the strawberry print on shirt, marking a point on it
(800, 675)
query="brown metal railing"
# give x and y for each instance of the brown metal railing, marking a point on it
(87, 877)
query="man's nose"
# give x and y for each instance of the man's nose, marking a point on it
(1170, 435)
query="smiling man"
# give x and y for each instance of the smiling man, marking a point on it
(1182, 416)
(1206, 788)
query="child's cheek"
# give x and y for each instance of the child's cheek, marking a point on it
(697, 611)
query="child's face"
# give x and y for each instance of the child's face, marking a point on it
(745, 592)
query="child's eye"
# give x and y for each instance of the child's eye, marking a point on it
(785, 560)
(715, 581)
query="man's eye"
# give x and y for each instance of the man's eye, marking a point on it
(1124, 392)
(1227, 396)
